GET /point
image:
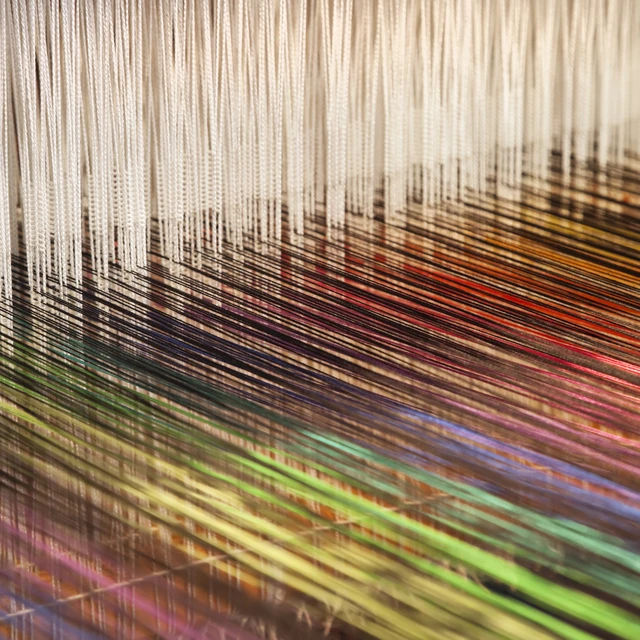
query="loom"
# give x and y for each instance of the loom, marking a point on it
(319, 319)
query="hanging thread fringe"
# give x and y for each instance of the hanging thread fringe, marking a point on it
(214, 118)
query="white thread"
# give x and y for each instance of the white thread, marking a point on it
(224, 120)
(5, 209)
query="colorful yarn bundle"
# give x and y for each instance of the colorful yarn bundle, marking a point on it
(428, 432)
(319, 319)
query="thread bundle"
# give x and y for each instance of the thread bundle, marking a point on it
(283, 380)
(214, 118)
(412, 433)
